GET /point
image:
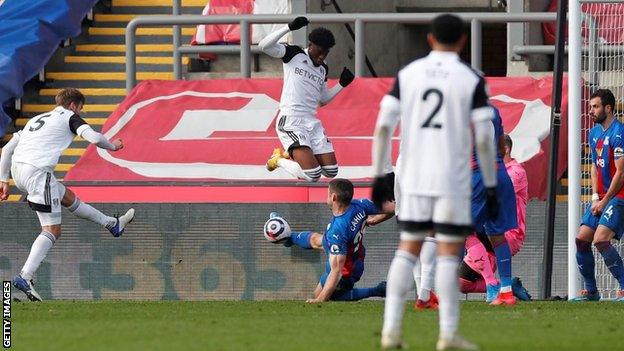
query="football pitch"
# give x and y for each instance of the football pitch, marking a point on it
(294, 325)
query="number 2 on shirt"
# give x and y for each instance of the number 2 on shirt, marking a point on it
(429, 123)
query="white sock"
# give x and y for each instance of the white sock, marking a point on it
(417, 274)
(427, 264)
(86, 211)
(291, 167)
(399, 283)
(447, 285)
(38, 252)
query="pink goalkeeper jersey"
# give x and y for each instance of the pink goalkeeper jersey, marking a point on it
(521, 186)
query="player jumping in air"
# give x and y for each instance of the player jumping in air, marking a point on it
(439, 101)
(343, 244)
(604, 217)
(476, 273)
(30, 157)
(309, 153)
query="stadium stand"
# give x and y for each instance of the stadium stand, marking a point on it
(30, 32)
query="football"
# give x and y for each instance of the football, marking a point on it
(276, 229)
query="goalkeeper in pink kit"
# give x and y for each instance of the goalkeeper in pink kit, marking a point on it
(479, 264)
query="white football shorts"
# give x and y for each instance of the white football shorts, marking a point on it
(44, 191)
(444, 215)
(303, 131)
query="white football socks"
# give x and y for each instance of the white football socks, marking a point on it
(38, 252)
(447, 287)
(417, 273)
(428, 255)
(86, 211)
(293, 168)
(399, 283)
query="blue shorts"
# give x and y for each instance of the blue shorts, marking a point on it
(612, 217)
(345, 283)
(506, 219)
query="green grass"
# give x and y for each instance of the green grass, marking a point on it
(291, 325)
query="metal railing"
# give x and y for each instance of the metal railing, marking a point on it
(360, 20)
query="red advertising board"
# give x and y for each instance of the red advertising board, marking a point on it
(189, 131)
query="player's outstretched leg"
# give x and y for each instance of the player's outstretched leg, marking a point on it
(116, 225)
(39, 250)
(357, 294)
(301, 239)
(426, 298)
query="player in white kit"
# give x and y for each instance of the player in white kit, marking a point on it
(438, 99)
(309, 153)
(31, 156)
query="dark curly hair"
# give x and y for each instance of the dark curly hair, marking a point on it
(322, 37)
(606, 97)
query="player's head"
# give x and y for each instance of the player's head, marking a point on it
(321, 41)
(340, 191)
(447, 33)
(601, 105)
(508, 145)
(70, 98)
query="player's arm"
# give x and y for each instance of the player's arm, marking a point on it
(100, 140)
(336, 263)
(80, 127)
(5, 165)
(387, 121)
(270, 46)
(616, 182)
(379, 218)
(327, 95)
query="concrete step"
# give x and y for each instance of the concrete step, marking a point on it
(141, 32)
(84, 84)
(105, 76)
(117, 49)
(139, 39)
(90, 100)
(146, 60)
(93, 96)
(115, 67)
